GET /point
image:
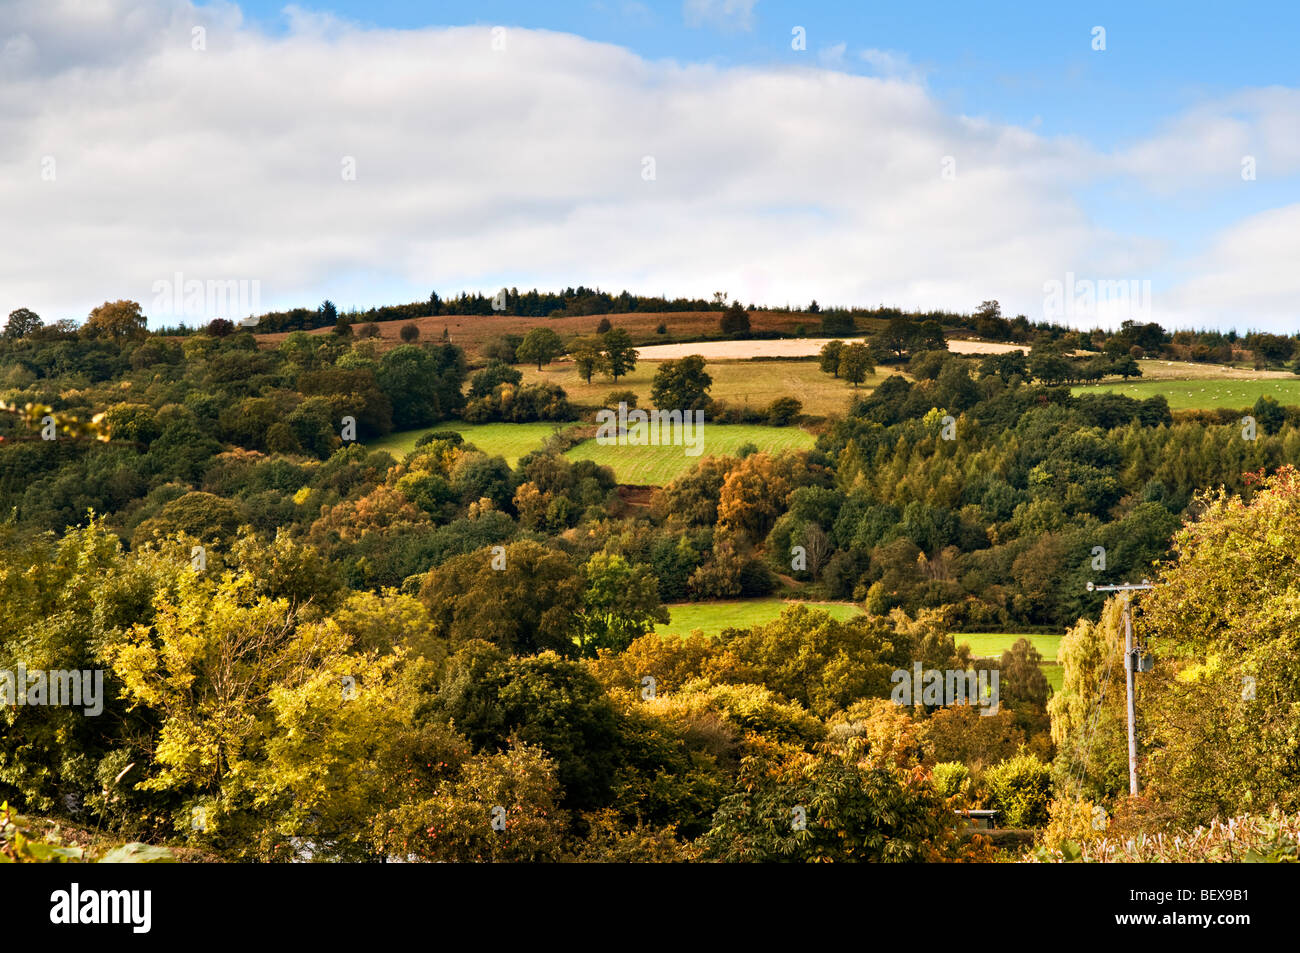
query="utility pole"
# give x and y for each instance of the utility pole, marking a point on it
(1132, 664)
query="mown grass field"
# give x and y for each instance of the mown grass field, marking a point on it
(993, 644)
(511, 441)
(712, 617)
(1205, 394)
(741, 383)
(659, 466)
(641, 466)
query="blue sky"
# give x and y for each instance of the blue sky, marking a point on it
(1018, 62)
(1029, 64)
(783, 174)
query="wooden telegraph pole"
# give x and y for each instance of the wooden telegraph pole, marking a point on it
(1132, 664)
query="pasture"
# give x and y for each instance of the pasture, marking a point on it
(511, 441)
(1206, 393)
(712, 617)
(740, 383)
(660, 465)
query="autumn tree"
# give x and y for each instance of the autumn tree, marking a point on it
(1221, 710)
(524, 597)
(117, 319)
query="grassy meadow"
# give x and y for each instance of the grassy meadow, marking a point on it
(511, 441)
(712, 618)
(741, 383)
(658, 466)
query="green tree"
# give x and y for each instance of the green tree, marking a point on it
(422, 383)
(486, 380)
(796, 807)
(621, 603)
(829, 359)
(735, 320)
(22, 322)
(524, 597)
(855, 364)
(540, 346)
(587, 359)
(682, 384)
(620, 355)
(1021, 789)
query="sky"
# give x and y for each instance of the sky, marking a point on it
(1082, 162)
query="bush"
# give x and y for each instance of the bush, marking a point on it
(950, 778)
(450, 436)
(511, 404)
(662, 328)
(486, 380)
(620, 397)
(409, 333)
(603, 326)
(783, 410)
(1021, 789)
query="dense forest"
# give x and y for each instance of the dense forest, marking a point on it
(313, 647)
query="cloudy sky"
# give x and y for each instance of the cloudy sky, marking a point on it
(928, 156)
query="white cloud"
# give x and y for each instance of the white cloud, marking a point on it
(1204, 146)
(724, 14)
(523, 166)
(832, 57)
(891, 63)
(1247, 279)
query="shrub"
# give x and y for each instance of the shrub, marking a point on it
(620, 397)
(950, 777)
(409, 333)
(1020, 788)
(486, 380)
(783, 410)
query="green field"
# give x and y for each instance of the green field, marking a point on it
(644, 466)
(659, 466)
(993, 644)
(1204, 394)
(712, 617)
(511, 441)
